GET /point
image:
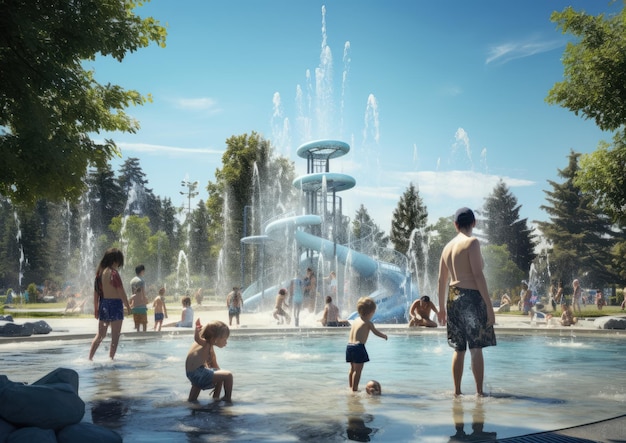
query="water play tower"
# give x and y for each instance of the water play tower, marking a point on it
(380, 274)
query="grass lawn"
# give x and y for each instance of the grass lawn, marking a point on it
(589, 311)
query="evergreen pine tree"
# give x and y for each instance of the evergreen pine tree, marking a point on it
(504, 227)
(106, 200)
(580, 234)
(366, 235)
(409, 218)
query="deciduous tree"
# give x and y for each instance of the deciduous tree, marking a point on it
(50, 103)
(254, 181)
(594, 86)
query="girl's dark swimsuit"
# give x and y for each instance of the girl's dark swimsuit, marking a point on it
(109, 309)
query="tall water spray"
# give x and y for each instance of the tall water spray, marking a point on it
(22, 259)
(86, 248)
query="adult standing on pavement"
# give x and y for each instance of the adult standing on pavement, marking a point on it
(577, 297)
(109, 299)
(234, 303)
(560, 295)
(310, 289)
(139, 299)
(468, 312)
(296, 297)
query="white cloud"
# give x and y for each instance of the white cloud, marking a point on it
(197, 104)
(377, 192)
(455, 184)
(451, 91)
(441, 191)
(167, 150)
(506, 52)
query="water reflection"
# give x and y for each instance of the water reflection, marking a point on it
(357, 419)
(478, 422)
(109, 412)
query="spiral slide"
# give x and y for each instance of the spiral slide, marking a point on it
(391, 298)
(395, 290)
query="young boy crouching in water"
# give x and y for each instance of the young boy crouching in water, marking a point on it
(201, 365)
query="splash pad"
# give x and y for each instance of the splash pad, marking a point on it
(291, 385)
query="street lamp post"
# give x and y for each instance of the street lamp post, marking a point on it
(190, 192)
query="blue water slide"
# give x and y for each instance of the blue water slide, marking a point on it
(335, 182)
(363, 264)
(391, 298)
(286, 223)
(254, 297)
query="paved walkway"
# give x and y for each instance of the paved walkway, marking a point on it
(73, 326)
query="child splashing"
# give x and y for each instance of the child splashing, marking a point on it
(201, 365)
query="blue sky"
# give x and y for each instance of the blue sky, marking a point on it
(449, 95)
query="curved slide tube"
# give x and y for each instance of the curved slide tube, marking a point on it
(391, 300)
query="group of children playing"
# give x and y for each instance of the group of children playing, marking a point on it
(139, 308)
(204, 372)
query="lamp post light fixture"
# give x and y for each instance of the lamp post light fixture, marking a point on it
(190, 192)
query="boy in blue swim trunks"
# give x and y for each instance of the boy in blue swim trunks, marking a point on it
(201, 365)
(356, 354)
(160, 310)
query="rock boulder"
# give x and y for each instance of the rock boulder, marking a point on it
(610, 322)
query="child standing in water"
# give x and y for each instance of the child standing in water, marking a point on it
(356, 354)
(109, 299)
(160, 310)
(201, 365)
(280, 314)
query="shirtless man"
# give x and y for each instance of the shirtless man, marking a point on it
(420, 312)
(468, 312)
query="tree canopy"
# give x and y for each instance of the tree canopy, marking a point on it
(594, 86)
(602, 174)
(49, 102)
(252, 186)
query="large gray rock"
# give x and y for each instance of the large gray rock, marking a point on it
(49, 403)
(610, 322)
(8, 328)
(40, 327)
(60, 375)
(6, 428)
(32, 435)
(32, 413)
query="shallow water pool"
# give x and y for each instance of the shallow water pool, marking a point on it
(294, 387)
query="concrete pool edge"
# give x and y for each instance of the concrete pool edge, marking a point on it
(85, 328)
